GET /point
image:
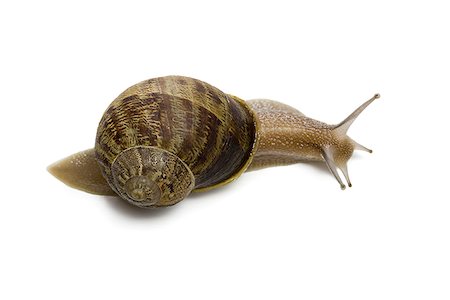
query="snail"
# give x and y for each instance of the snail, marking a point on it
(165, 137)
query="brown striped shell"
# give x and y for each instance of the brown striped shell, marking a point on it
(164, 137)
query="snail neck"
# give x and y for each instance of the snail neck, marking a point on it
(287, 136)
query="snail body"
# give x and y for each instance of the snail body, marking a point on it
(165, 137)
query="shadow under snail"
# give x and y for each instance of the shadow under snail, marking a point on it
(165, 137)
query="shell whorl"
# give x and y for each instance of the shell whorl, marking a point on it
(149, 176)
(186, 122)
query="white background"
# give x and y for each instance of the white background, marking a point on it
(279, 233)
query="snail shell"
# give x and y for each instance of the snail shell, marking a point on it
(164, 137)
